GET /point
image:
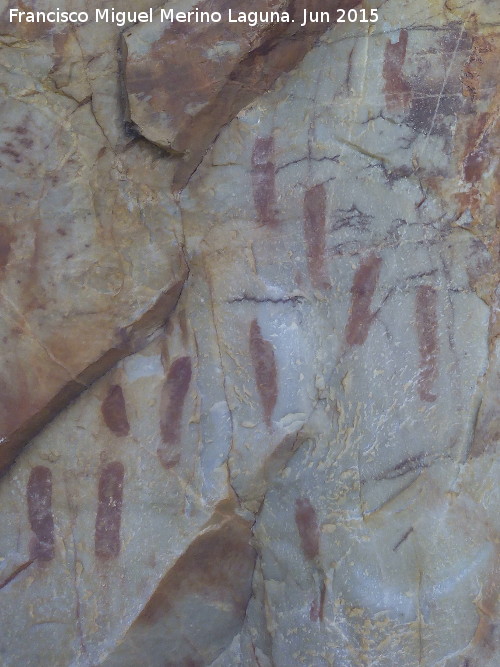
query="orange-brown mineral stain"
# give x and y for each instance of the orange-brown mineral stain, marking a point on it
(227, 559)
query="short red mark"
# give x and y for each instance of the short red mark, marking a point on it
(307, 525)
(114, 411)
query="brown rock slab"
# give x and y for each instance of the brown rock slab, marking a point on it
(185, 81)
(199, 606)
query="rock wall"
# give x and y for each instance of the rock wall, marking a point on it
(268, 383)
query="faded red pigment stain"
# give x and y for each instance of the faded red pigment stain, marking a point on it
(307, 525)
(362, 291)
(315, 234)
(264, 180)
(477, 154)
(266, 374)
(39, 499)
(397, 89)
(109, 511)
(173, 396)
(7, 238)
(114, 411)
(316, 611)
(427, 331)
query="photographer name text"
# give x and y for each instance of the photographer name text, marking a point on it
(126, 18)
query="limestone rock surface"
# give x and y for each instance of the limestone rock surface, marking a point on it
(300, 467)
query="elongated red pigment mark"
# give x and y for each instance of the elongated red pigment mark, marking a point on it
(397, 89)
(39, 498)
(109, 511)
(266, 374)
(114, 411)
(263, 180)
(317, 606)
(307, 525)
(173, 396)
(315, 234)
(362, 291)
(427, 331)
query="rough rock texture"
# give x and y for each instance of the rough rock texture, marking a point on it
(301, 467)
(88, 267)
